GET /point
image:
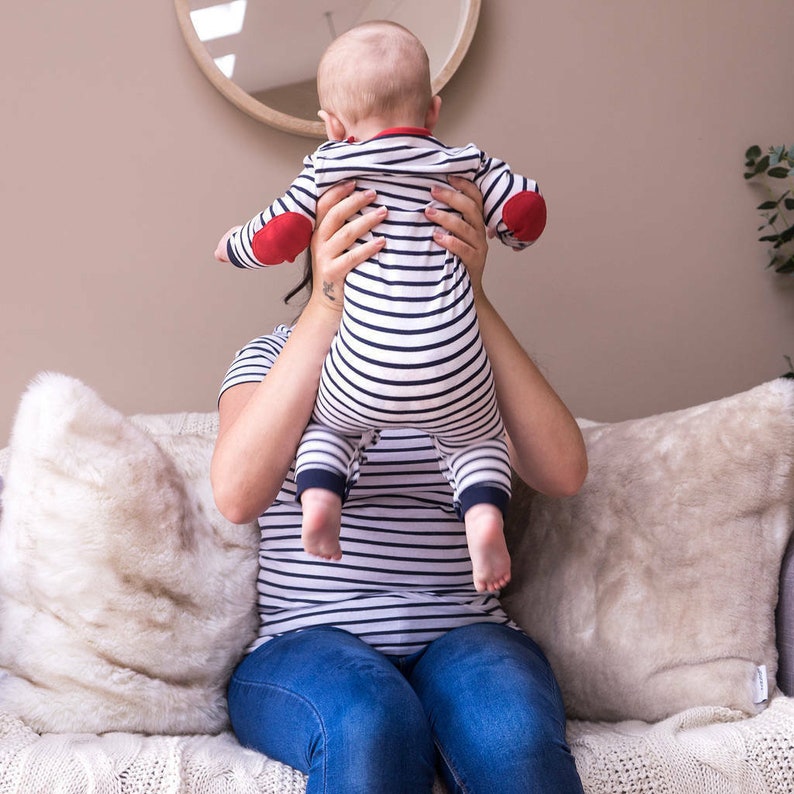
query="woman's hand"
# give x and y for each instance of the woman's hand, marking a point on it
(333, 247)
(464, 236)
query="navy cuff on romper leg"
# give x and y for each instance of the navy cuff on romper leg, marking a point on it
(321, 478)
(482, 494)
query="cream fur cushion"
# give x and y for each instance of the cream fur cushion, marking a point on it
(654, 588)
(125, 598)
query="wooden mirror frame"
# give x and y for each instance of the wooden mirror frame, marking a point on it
(283, 121)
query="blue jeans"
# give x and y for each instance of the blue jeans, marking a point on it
(481, 701)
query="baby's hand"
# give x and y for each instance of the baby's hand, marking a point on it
(220, 251)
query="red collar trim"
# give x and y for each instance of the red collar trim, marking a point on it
(405, 131)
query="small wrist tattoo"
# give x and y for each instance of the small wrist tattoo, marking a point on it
(328, 290)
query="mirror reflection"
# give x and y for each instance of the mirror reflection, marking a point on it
(268, 50)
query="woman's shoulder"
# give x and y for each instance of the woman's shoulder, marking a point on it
(266, 346)
(266, 343)
(253, 361)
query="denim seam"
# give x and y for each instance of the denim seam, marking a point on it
(454, 772)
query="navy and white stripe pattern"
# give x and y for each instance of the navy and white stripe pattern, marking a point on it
(405, 577)
(408, 352)
(401, 166)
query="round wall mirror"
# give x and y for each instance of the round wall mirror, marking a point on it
(262, 55)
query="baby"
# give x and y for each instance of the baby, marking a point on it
(408, 351)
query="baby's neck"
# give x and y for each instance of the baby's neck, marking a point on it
(370, 128)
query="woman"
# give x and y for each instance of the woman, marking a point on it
(371, 670)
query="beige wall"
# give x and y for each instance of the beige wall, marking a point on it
(121, 166)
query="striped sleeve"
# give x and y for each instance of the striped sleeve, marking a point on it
(500, 188)
(252, 362)
(298, 207)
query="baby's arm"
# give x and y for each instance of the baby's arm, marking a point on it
(277, 234)
(514, 209)
(220, 251)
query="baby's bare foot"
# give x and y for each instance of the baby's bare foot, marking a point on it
(490, 558)
(322, 519)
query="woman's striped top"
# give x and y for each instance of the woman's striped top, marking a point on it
(405, 575)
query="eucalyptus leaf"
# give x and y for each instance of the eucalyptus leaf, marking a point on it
(776, 164)
(787, 266)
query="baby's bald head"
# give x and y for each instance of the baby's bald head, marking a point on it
(376, 70)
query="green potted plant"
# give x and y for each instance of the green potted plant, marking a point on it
(775, 170)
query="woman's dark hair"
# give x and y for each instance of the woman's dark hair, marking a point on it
(304, 284)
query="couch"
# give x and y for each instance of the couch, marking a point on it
(662, 593)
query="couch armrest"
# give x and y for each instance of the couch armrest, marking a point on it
(785, 623)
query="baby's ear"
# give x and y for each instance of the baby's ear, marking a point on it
(334, 129)
(433, 112)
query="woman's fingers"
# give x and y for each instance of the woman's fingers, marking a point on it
(334, 249)
(463, 196)
(355, 229)
(464, 233)
(329, 201)
(360, 253)
(340, 203)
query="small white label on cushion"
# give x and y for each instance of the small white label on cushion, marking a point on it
(760, 685)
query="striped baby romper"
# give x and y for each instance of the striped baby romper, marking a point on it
(408, 351)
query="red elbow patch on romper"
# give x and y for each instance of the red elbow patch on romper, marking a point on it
(525, 215)
(282, 238)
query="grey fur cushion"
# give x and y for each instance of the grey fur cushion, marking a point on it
(654, 589)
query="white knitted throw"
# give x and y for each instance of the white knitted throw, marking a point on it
(700, 751)
(126, 763)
